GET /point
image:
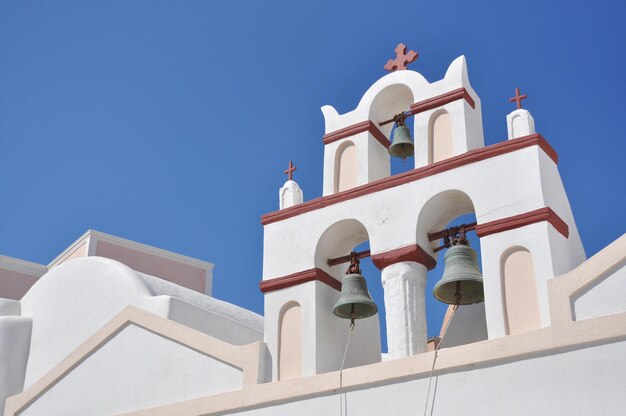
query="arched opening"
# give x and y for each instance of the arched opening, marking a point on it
(519, 286)
(337, 241)
(290, 342)
(346, 167)
(392, 100)
(440, 137)
(444, 210)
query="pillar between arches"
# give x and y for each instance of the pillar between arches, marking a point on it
(404, 285)
(403, 274)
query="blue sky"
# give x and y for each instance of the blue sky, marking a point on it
(170, 123)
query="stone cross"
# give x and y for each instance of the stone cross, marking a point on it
(289, 171)
(518, 98)
(402, 59)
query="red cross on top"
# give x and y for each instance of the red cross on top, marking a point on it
(402, 59)
(289, 171)
(518, 98)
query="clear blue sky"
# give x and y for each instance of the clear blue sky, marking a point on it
(170, 123)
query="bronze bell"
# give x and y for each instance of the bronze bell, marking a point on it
(402, 145)
(461, 282)
(354, 301)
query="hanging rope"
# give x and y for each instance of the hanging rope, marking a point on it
(443, 335)
(343, 361)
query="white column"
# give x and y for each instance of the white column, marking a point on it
(404, 286)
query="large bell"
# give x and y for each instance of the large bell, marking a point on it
(461, 282)
(354, 301)
(402, 145)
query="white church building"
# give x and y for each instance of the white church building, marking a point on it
(115, 327)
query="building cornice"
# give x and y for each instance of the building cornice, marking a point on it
(467, 158)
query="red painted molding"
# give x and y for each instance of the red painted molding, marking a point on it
(516, 221)
(470, 157)
(299, 278)
(409, 253)
(442, 99)
(349, 131)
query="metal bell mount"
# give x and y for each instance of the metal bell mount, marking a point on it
(462, 282)
(402, 145)
(354, 301)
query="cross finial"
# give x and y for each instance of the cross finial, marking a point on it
(518, 98)
(289, 171)
(402, 59)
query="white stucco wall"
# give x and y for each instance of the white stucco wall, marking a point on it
(136, 369)
(499, 187)
(586, 381)
(61, 300)
(467, 325)
(214, 317)
(14, 346)
(78, 297)
(604, 297)
(324, 334)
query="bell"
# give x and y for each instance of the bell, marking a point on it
(354, 301)
(402, 145)
(461, 282)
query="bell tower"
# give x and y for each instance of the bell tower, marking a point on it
(523, 219)
(445, 116)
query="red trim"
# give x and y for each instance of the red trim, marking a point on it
(357, 128)
(299, 278)
(516, 221)
(409, 253)
(442, 99)
(472, 156)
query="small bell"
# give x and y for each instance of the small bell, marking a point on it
(402, 145)
(461, 283)
(354, 301)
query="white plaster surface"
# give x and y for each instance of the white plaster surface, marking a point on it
(14, 345)
(10, 307)
(605, 296)
(405, 307)
(467, 325)
(324, 334)
(136, 369)
(575, 383)
(290, 194)
(520, 123)
(499, 187)
(99, 288)
(392, 94)
(222, 320)
(71, 302)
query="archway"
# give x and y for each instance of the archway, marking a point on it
(446, 209)
(339, 240)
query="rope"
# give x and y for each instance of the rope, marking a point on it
(432, 370)
(343, 360)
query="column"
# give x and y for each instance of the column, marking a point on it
(404, 286)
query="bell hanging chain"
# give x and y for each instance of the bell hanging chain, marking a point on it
(355, 264)
(452, 236)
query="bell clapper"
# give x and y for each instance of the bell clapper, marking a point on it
(457, 295)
